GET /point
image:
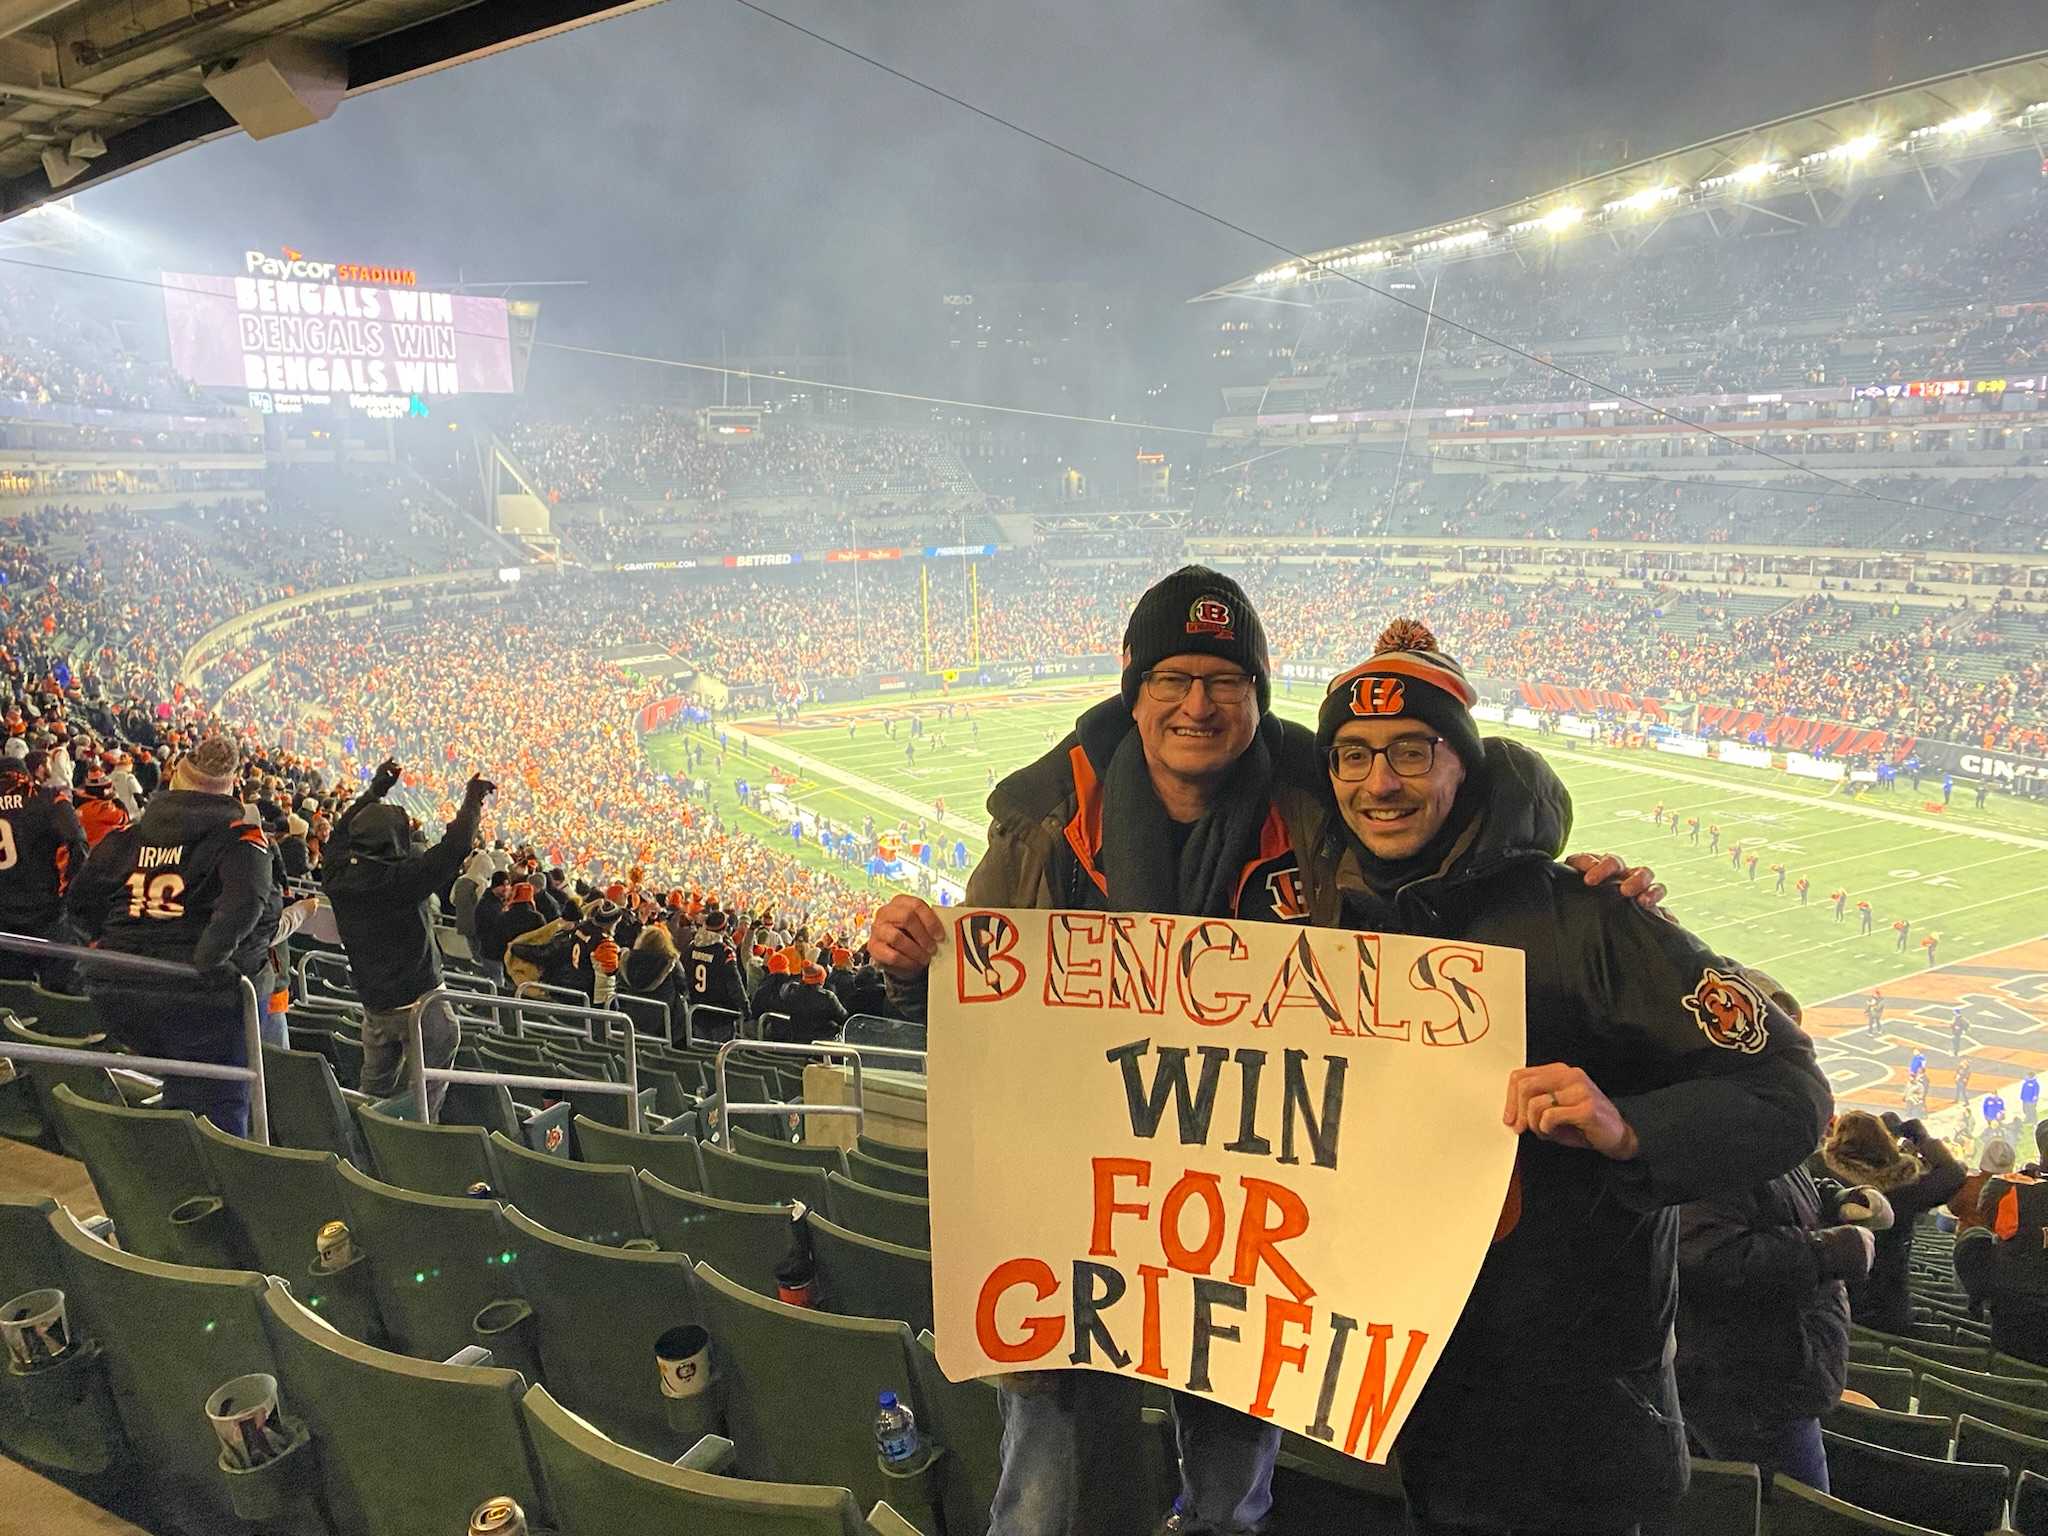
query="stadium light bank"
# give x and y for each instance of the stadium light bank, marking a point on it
(1860, 154)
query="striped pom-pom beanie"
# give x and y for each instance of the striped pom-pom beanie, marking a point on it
(1407, 676)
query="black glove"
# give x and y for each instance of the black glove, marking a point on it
(480, 788)
(1845, 1253)
(385, 779)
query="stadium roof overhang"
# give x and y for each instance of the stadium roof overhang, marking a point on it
(1804, 169)
(92, 88)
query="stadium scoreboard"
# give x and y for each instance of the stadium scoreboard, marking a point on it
(290, 334)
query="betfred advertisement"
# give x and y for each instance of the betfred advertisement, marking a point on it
(304, 328)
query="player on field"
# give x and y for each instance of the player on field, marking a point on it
(1841, 900)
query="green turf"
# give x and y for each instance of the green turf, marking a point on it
(1978, 879)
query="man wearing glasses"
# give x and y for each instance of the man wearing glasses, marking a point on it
(1660, 1072)
(1180, 794)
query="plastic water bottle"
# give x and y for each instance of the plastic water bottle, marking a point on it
(896, 1432)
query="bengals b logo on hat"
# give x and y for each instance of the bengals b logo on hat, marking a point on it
(1378, 696)
(1211, 615)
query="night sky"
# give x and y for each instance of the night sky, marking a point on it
(712, 173)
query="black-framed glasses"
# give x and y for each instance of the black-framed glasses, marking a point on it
(1409, 756)
(1222, 687)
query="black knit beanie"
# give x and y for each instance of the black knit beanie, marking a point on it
(1195, 611)
(1408, 676)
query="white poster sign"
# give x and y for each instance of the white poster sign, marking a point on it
(1190, 1151)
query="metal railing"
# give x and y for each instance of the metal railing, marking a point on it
(499, 1004)
(826, 1049)
(157, 1066)
(425, 1074)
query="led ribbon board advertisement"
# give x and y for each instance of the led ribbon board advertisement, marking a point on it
(307, 327)
(1190, 1151)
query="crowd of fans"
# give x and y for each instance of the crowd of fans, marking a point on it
(1806, 307)
(55, 350)
(1365, 490)
(662, 453)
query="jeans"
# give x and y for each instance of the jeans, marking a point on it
(1792, 1447)
(1069, 1455)
(387, 1034)
(188, 1025)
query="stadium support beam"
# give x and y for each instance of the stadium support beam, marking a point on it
(409, 53)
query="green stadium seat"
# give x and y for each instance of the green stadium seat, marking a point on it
(431, 1159)
(152, 1181)
(895, 1178)
(21, 1115)
(28, 1249)
(1915, 1353)
(1962, 1498)
(774, 1149)
(60, 1013)
(32, 1260)
(967, 1419)
(672, 1097)
(406, 1446)
(595, 1202)
(1920, 1434)
(2012, 1365)
(744, 1242)
(890, 1152)
(905, 1220)
(669, 1157)
(278, 1199)
(2030, 1505)
(2024, 1390)
(42, 1079)
(434, 1262)
(1866, 1351)
(597, 1313)
(348, 1059)
(1952, 1402)
(168, 1335)
(863, 1276)
(1797, 1510)
(1979, 1441)
(1888, 1386)
(1724, 1498)
(599, 1488)
(800, 1386)
(307, 1110)
(756, 1181)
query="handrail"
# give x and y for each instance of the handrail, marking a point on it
(827, 1049)
(160, 1066)
(451, 1075)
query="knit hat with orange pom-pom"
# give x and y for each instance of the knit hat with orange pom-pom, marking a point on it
(1408, 676)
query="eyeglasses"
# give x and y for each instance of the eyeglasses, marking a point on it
(1409, 756)
(1222, 687)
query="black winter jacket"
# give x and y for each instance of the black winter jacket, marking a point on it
(189, 881)
(381, 891)
(2010, 1276)
(1763, 1319)
(815, 1013)
(1554, 1405)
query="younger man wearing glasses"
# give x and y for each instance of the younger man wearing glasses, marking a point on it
(1660, 1072)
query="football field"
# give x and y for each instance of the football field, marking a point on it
(1976, 880)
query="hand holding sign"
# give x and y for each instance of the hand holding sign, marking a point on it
(906, 937)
